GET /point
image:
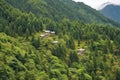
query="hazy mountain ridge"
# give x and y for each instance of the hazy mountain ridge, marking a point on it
(104, 5)
(112, 11)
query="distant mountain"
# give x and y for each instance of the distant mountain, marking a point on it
(112, 11)
(104, 5)
(60, 9)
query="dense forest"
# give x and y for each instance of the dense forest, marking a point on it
(59, 9)
(40, 43)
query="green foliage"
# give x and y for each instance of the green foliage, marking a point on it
(24, 55)
(35, 42)
(73, 57)
(18, 22)
(60, 51)
(70, 43)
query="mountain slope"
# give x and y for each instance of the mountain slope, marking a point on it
(15, 22)
(112, 11)
(65, 9)
(25, 55)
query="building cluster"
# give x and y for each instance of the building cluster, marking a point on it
(48, 33)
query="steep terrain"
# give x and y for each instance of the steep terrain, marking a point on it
(29, 49)
(112, 11)
(65, 9)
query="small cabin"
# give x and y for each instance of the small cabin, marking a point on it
(52, 32)
(47, 31)
(81, 51)
(42, 35)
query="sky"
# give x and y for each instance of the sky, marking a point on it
(97, 3)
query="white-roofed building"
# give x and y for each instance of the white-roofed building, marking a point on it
(81, 51)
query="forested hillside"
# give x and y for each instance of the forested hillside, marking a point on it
(59, 9)
(38, 47)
